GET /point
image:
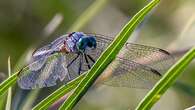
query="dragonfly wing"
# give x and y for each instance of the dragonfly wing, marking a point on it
(78, 66)
(74, 67)
(102, 44)
(53, 69)
(152, 57)
(48, 49)
(155, 58)
(41, 52)
(137, 66)
(125, 73)
(58, 42)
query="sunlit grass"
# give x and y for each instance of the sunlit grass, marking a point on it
(87, 15)
(167, 80)
(107, 57)
(9, 95)
(4, 86)
(44, 104)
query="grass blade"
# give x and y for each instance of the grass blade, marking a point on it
(154, 95)
(2, 102)
(190, 108)
(7, 83)
(44, 104)
(87, 15)
(9, 95)
(106, 58)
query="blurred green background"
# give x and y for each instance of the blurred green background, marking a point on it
(170, 26)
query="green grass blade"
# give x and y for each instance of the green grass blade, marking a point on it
(44, 104)
(154, 95)
(3, 101)
(11, 80)
(9, 95)
(7, 83)
(87, 15)
(106, 58)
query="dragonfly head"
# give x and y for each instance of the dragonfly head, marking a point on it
(85, 43)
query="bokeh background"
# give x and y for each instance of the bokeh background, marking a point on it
(28, 24)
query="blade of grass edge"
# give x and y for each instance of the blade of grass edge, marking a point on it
(190, 108)
(9, 95)
(7, 83)
(166, 81)
(86, 16)
(44, 104)
(106, 58)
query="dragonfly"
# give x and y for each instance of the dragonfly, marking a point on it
(67, 57)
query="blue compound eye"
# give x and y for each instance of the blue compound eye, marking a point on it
(86, 42)
(89, 44)
(92, 42)
(81, 45)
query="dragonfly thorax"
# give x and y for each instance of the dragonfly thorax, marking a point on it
(77, 42)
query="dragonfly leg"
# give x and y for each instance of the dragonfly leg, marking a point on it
(80, 64)
(91, 58)
(86, 59)
(69, 77)
(73, 61)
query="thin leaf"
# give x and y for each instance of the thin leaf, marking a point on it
(107, 57)
(7, 83)
(167, 80)
(44, 104)
(9, 95)
(190, 108)
(2, 101)
(87, 15)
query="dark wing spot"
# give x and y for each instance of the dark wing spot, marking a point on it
(163, 51)
(156, 72)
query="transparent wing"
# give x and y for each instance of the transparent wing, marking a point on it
(48, 49)
(73, 67)
(77, 64)
(102, 44)
(152, 57)
(58, 42)
(137, 65)
(52, 68)
(125, 73)
(41, 52)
